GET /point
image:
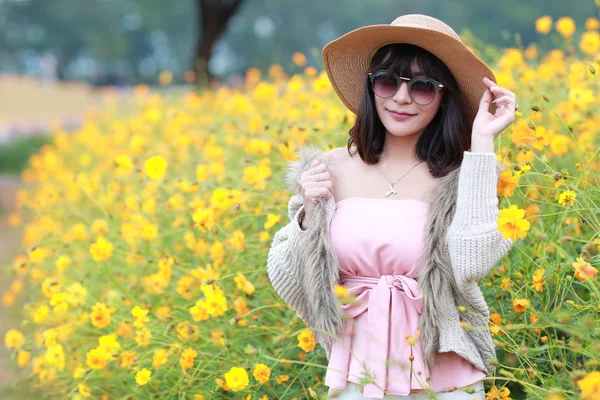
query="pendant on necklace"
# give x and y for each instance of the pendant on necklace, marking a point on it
(392, 190)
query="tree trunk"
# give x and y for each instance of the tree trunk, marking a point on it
(211, 18)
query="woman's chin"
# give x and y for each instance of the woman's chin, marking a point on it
(402, 131)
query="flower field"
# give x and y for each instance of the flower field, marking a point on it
(146, 232)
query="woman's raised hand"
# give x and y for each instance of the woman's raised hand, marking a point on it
(490, 125)
(314, 183)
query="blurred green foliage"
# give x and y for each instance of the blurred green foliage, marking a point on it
(15, 154)
(136, 39)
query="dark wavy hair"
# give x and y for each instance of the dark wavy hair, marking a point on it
(447, 136)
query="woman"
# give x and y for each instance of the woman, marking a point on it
(420, 96)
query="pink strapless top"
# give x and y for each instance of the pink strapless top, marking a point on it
(379, 244)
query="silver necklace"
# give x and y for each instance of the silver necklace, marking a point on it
(392, 189)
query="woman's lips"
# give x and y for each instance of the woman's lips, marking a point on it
(400, 116)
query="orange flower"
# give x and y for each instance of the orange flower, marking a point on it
(538, 282)
(584, 270)
(520, 305)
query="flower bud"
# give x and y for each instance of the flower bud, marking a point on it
(535, 108)
(592, 69)
(546, 99)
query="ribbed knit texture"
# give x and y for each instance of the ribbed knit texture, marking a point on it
(280, 267)
(474, 243)
(474, 246)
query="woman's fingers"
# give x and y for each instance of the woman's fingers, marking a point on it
(497, 90)
(504, 99)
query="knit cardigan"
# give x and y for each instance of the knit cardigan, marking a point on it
(462, 244)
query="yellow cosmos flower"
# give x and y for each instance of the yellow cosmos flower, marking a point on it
(261, 373)
(99, 227)
(187, 359)
(23, 358)
(41, 314)
(543, 25)
(306, 340)
(143, 376)
(199, 311)
(244, 284)
(13, 339)
(38, 255)
(97, 358)
(127, 359)
(236, 241)
(216, 305)
(155, 167)
(84, 390)
(506, 283)
(592, 24)
(55, 356)
(272, 220)
(76, 294)
(498, 394)
(538, 282)
(567, 198)
(322, 84)
(221, 383)
(204, 218)
(590, 385)
(143, 336)
(59, 302)
(566, 27)
(542, 138)
(160, 357)
(236, 378)
(50, 286)
(264, 91)
(124, 164)
(101, 250)
(140, 315)
(590, 43)
(79, 232)
(62, 263)
(512, 224)
(100, 315)
(109, 344)
(341, 291)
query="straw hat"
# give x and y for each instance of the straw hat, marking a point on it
(347, 58)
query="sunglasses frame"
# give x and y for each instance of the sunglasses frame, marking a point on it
(436, 85)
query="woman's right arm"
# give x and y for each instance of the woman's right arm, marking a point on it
(283, 265)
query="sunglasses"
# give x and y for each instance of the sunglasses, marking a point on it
(421, 90)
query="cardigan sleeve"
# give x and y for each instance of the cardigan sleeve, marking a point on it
(283, 268)
(474, 243)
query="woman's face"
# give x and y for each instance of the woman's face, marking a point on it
(401, 102)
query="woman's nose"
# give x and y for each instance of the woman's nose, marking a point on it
(402, 94)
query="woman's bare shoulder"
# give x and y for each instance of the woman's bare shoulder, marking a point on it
(339, 156)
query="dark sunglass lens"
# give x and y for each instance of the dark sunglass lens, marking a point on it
(384, 85)
(422, 91)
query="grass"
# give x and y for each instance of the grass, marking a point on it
(15, 154)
